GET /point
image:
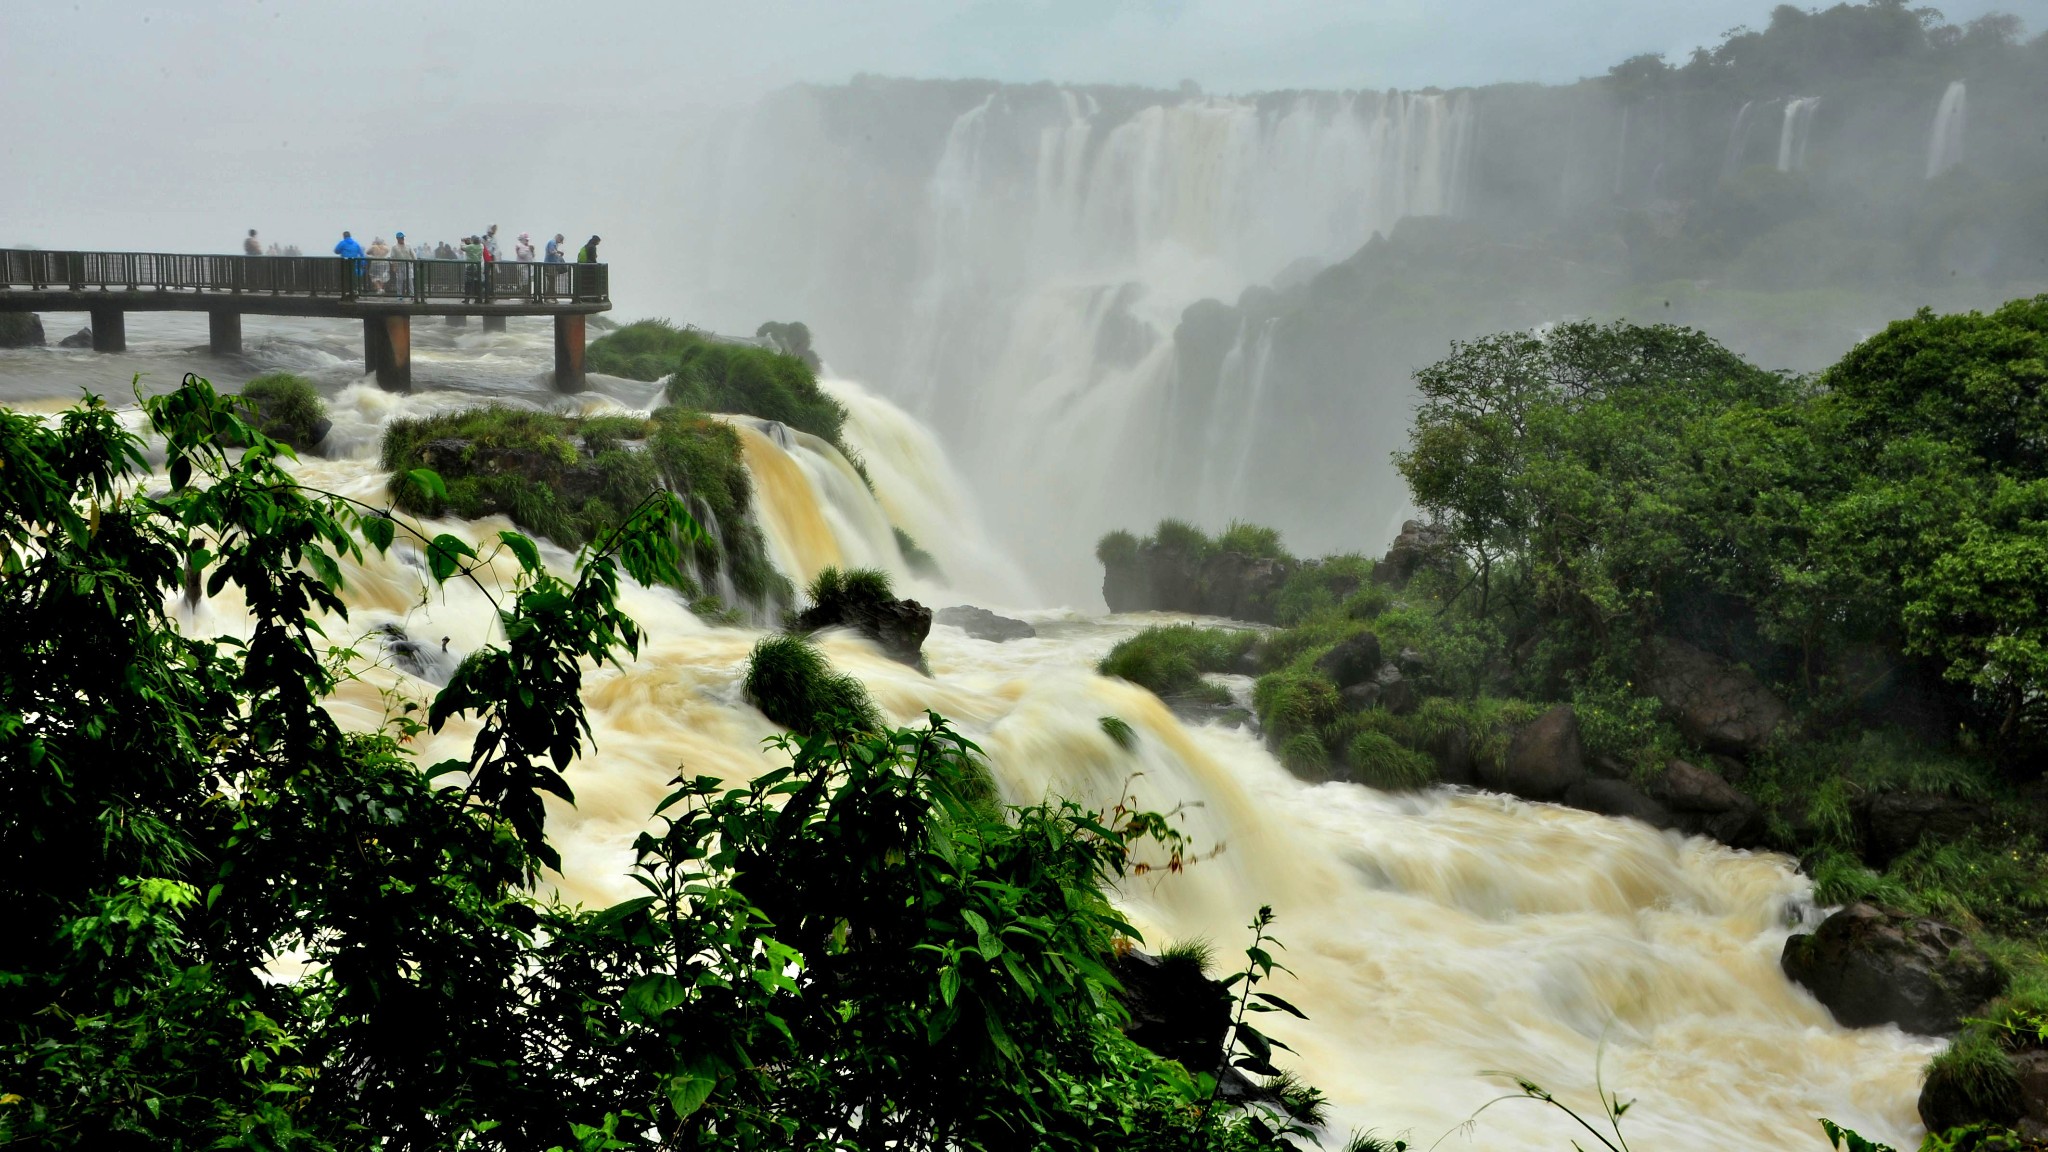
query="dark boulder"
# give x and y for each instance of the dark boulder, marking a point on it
(1360, 697)
(1946, 1102)
(898, 627)
(1617, 798)
(1176, 1010)
(1719, 705)
(1353, 661)
(21, 330)
(1875, 965)
(1242, 587)
(1544, 759)
(1893, 822)
(1399, 695)
(1418, 546)
(983, 624)
(1701, 801)
(79, 339)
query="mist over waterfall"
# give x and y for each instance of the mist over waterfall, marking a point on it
(1117, 304)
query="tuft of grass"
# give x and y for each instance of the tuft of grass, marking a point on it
(1252, 540)
(834, 588)
(793, 684)
(1371, 1142)
(1377, 760)
(1295, 701)
(1117, 549)
(919, 561)
(1120, 732)
(1303, 753)
(1195, 950)
(1977, 1068)
(1170, 660)
(286, 407)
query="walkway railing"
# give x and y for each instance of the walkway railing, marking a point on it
(417, 281)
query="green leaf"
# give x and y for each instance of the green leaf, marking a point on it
(181, 475)
(647, 997)
(428, 482)
(379, 530)
(688, 1092)
(1283, 1005)
(525, 549)
(949, 984)
(444, 556)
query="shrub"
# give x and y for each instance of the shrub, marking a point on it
(1330, 586)
(793, 684)
(1295, 701)
(1303, 753)
(1252, 540)
(287, 407)
(1117, 549)
(643, 350)
(1975, 1068)
(833, 589)
(1170, 660)
(737, 378)
(1377, 760)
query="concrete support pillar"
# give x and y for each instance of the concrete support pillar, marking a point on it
(494, 323)
(109, 330)
(569, 353)
(387, 351)
(457, 321)
(224, 333)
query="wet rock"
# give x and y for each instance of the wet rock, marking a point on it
(1417, 546)
(21, 330)
(1719, 705)
(1946, 1102)
(1360, 697)
(1400, 696)
(1455, 763)
(983, 624)
(1875, 965)
(1353, 661)
(1894, 822)
(1705, 802)
(1611, 797)
(417, 658)
(1165, 577)
(79, 339)
(1176, 1010)
(898, 627)
(1544, 759)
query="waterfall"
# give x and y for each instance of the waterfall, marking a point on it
(1945, 142)
(1429, 936)
(1793, 133)
(1738, 138)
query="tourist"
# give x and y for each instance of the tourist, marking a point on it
(380, 266)
(402, 270)
(252, 246)
(444, 251)
(589, 253)
(274, 250)
(351, 249)
(490, 242)
(473, 268)
(554, 255)
(523, 251)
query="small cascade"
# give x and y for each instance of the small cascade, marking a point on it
(1792, 134)
(1738, 141)
(1945, 142)
(813, 507)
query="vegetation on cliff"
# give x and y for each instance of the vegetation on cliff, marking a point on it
(288, 409)
(573, 479)
(710, 375)
(842, 952)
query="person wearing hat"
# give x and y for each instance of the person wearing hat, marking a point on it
(589, 253)
(523, 251)
(401, 266)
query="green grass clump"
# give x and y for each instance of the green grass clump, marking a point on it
(287, 408)
(1976, 1068)
(1377, 760)
(1295, 701)
(833, 588)
(1119, 731)
(739, 378)
(1171, 660)
(1332, 586)
(1303, 753)
(643, 350)
(1195, 950)
(1252, 540)
(793, 684)
(919, 561)
(524, 464)
(1117, 549)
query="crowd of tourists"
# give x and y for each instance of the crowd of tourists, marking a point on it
(389, 268)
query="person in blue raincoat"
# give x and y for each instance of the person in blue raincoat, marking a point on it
(352, 249)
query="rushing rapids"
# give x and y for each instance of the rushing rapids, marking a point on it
(1433, 937)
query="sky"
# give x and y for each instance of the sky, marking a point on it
(133, 124)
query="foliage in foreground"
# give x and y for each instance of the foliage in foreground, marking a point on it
(843, 953)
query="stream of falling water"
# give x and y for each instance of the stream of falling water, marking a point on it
(1432, 937)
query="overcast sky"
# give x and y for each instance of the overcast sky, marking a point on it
(138, 124)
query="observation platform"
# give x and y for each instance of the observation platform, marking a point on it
(108, 285)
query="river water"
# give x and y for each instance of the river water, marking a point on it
(1434, 938)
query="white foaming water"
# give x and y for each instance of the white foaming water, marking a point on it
(1433, 937)
(1945, 142)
